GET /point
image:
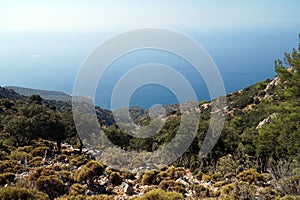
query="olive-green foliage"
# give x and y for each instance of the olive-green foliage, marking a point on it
(3, 155)
(77, 189)
(89, 171)
(228, 191)
(289, 197)
(20, 156)
(26, 149)
(55, 169)
(35, 121)
(173, 173)
(199, 191)
(127, 175)
(82, 197)
(226, 164)
(7, 178)
(245, 191)
(171, 185)
(35, 98)
(70, 197)
(40, 151)
(160, 195)
(202, 177)
(50, 185)
(150, 178)
(10, 166)
(99, 197)
(250, 176)
(36, 161)
(289, 185)
(115, 178)
(62, 158)
(10, 193)
(78, 160)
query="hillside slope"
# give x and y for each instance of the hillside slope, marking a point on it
(9, 94)
(45, 94)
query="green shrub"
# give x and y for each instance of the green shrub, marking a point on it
(216, 177)
(48, 171)
(265, 193)
(228, 191)
(289, 197)
(79, 161)
(9, 193)
(63, 158)
(173, 173)
(36, 161)
(171, 185)
(127, 175)
(222, 183)
(115, 178)
(67, 176)
(77, 189)
(150, 178)
(99, 197)
(26, 149)
(50, 185)
(250, 176)
(10, 166)
(41, 151)
(3, 155)
(6, 148)
(65, 197)
(7, 178)
(261, 93)
(20, 156)
(199, 175)
(89, 171)
(160, 195)
(244, 190)
(200, 191)
(77, 197)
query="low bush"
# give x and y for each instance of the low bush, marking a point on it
(36, 161)
(20, 156)
(41, 151)
(77, 189)
(3, 155)
(171, 185)
(228, 191)
(79, 161)
(50, 185)
(7, 178)
(160, 195)
(99, 197)
(250, 176)
(89, 171)
(150, 178)
(10, 166)
(26, 149)
(115, 178)
(127, 175)
(9, 193)
(200, 191)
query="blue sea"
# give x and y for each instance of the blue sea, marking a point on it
(51, 61)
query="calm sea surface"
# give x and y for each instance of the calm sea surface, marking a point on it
(51, 61)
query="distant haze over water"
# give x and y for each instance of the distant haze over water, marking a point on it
(51, 61)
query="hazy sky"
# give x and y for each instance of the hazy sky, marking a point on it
(111, 15)
(39, 38)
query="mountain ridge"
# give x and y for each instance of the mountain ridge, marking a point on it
(45, 94)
